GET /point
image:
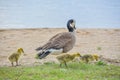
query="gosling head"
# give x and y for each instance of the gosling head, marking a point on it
(71, 25)
(20, 50)
(95, 56)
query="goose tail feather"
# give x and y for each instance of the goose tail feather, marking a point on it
(43, 54)
(39, 48)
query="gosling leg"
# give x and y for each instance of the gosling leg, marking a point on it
(96, 59)
(87, 60)
(16, 63)
(12, 64)
(66, 64)
(60, 64)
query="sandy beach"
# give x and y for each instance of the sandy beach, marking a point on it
(104, 42)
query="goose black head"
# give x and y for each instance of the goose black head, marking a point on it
(71, 25)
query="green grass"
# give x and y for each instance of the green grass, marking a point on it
(101, 63)
(76, 71)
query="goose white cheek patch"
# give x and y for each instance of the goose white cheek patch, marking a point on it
(56, 51)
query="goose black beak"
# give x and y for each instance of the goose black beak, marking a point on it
(43, 55)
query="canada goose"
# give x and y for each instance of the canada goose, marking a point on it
(63, 58)
(89, 57)
(60, 43)
(15, 56)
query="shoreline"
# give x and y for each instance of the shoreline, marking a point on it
(55, 28)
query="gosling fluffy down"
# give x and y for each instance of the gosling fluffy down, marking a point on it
(89, 57)
(14, 57)
(64, 58)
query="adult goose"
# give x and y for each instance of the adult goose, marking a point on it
(60, 43)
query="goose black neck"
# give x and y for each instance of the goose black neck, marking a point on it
(70, 29)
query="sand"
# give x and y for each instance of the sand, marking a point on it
(104, 42)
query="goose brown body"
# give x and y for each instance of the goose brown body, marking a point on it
(64, 40)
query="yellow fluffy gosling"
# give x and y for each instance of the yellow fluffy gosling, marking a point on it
(89, 57)
(14, 57)
(96, 57)
(64, 58)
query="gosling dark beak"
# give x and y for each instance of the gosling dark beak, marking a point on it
(24, 53)
(43, 55)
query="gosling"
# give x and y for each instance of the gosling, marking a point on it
(88, 57)
(64, 58)
(14, 57)
(96, 57)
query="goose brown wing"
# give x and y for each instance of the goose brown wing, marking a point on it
(58, 41)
